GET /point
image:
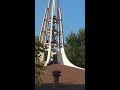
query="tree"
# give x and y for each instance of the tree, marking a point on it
(75, 48)
(39, 67)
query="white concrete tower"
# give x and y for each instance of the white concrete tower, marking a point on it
(52, 35)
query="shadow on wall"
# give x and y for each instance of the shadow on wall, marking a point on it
(62, 86)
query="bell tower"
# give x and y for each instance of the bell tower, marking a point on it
(51, 35)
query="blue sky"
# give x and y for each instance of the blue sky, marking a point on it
(73, 15)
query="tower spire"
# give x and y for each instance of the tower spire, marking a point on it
(52, 35)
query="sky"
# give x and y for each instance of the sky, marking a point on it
(73, 15)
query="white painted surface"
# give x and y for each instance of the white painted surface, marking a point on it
(62, 59)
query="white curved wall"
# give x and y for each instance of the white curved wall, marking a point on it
(62, 59)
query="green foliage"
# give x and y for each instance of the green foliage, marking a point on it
(75, 48)
(39, 68)
(55, 58)
(45, 55)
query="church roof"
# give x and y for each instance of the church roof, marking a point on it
(70, 79)
(68, 74)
